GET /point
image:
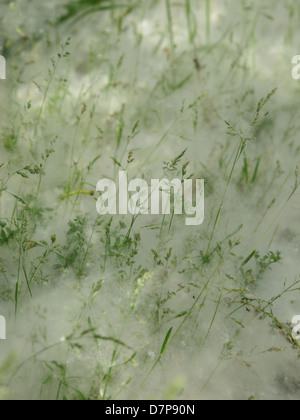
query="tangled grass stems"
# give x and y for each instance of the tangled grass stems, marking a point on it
(164, 137)
(233, 132)
(52, 71)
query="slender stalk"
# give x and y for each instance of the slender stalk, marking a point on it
(296, 186)
(171, 220)
(237, 156)
(210, 376)
(88, 248)
(52, 72)
(83, 192)
(108, 377)
(19, 272)
(208, 21)
(191, 28)
(170, 25)
(162, 226)
(44, 99)
(214, 317)
(20, 366)
(72, 155)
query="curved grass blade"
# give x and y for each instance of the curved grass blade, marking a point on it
(165, 344)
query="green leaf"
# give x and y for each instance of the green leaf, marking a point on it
(164, 346)
(248, 258)
(116, 162)
(19, 199)
(181, 315)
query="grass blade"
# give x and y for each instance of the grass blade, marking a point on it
(255, 171)
(214, 317)
(170, 25)
(165, 344)
(248, 258)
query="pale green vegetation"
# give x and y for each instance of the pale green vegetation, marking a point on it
(146, 307)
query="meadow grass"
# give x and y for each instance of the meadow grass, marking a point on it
(134, 307)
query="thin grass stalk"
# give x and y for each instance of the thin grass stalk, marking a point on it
(208, 20)
(170, 25)
(191, 29)
(237, 156)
